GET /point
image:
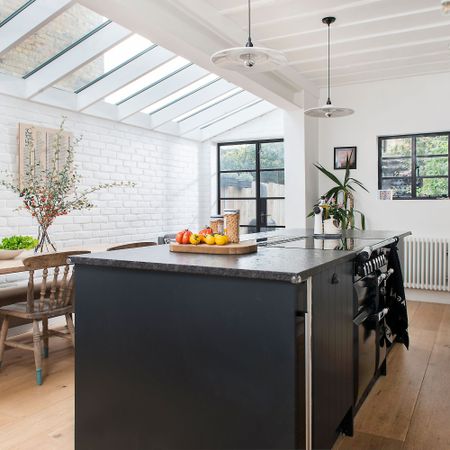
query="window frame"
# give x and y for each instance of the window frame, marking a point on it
(413, 159)
(257, 170)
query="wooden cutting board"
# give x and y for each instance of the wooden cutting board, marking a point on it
(229, 249)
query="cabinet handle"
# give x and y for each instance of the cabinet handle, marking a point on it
(335, 279)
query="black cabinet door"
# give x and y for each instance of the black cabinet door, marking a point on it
(332, 352)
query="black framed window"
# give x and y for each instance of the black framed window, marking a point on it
(415, 166)
(251, 179)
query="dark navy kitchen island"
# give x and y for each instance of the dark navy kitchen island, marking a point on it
(179, 351)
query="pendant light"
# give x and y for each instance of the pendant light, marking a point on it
(249, 58)
(329, 111)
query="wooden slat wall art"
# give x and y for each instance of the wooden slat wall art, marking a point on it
(43, 150)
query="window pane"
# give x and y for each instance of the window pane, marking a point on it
(47, 41)
(238, 157)
(432, 166)
(393, 167)
(247, 210)
(238, 185)
(432, 145)
(396, 147)
(147, 80)
(400, 186)
(272, 212)
(7, 7)
(111, 59)
(272, 155)
(180, 93)
(272, 183)
(432, 187)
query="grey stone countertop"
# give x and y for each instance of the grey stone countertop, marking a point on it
(279, 262)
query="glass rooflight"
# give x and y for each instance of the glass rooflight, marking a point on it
(117, 56)
(9, 8)
(147, 80)
(208, 104)
(183, 92)
(54, 37)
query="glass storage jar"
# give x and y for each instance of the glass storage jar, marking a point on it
(232, 224)
(216, 223)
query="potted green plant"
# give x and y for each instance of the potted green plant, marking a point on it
(340, 200)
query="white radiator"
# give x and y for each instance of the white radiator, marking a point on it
(426, 263)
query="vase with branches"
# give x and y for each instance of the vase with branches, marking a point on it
(54, 190)
(339, 199)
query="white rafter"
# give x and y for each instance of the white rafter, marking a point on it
(230, 121)
(122, 76)
(27, 21)
(214, 112)
(77, 56)
(160, 90)
(190, 102)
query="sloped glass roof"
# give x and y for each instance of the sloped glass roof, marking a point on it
(52, 38)
(121, 53)
(10, 7)
(214, 101)
(181, 93)
(147, 80)
(60, 29)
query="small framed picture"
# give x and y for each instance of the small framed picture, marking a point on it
(385, 194)
(341, 154)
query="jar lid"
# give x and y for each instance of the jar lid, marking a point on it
(231, 211)
(216, 216)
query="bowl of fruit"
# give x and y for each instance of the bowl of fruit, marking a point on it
(204, 236)
(11, 247)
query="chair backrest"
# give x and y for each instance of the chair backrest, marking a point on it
(132, 245)
(56, 289)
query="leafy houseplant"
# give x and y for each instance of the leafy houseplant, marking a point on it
(53, 191)
(340, 201)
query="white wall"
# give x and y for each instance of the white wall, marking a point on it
(172, 189)
(400, 106)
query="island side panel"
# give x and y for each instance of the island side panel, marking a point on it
(178, 361)
(332, 353)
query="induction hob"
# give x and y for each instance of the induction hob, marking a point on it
(317, 243)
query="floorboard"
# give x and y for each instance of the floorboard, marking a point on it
(409, 409)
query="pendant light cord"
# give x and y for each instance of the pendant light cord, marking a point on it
(329, 66)
(249, 40)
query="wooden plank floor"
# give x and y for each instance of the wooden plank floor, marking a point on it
(408, 409)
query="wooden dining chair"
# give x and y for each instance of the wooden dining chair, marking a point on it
(132, 245)
(55, 299)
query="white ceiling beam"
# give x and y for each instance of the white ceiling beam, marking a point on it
(239, 118)
(13, 86)
(122, 76)
(214, 112)
(190, 102)
(177, 27)
(27, 21)
(160, 90)
(76, 57)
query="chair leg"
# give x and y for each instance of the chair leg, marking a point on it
(45, 336)
(37, 351)
(3, 334)
(71, 328)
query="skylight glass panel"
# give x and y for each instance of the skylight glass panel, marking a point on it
(8, 7)
(207, 105)
(64, 30)
(147, 80)
(218, 119)
(108, 61)
(178, 95)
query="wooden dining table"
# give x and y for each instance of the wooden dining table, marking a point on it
(11, 266)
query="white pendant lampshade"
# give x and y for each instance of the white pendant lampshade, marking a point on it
(329, 110)
(249, 58)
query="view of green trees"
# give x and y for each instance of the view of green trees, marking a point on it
(431, 161)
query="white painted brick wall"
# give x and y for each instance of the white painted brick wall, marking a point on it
(172, 178)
